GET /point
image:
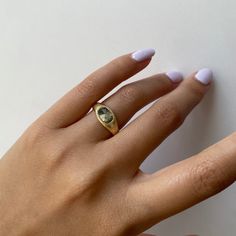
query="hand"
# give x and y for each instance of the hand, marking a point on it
(67, 174)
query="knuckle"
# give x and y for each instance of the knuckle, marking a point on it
(79, 184)
(45, 145)
(197, 91)
(207, 179)
(54, 152)
(85, 183)
(118, 62)
(118, 65)
(35, 135)
(86, 88)
(130, 93)
(169, 113)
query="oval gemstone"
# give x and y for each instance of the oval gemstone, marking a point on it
(105, 115)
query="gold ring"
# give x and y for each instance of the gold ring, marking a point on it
(106, 117)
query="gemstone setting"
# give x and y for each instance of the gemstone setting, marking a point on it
(105, 115)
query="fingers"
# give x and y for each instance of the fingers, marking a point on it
(77, 102)
(188, 182)
(129, 99)
(161, 119)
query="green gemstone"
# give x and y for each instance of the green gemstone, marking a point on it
(105, 115)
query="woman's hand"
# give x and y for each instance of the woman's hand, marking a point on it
(67, 174)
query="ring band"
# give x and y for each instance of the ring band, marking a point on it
(106, 117)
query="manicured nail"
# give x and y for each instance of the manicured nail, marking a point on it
(144, 54)
(205, 76)
(175, 76)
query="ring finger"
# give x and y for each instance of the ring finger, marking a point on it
(128, 100)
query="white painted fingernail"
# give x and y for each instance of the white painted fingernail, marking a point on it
(144, 54)
(205, 76)
(175, 76)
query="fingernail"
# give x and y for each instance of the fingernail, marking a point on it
(144, 54)
(175, 76)
(205, 76)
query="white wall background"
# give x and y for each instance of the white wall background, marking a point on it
(48, 46)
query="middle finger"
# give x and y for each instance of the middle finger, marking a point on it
(145, 133)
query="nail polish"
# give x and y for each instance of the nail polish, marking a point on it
(204, 76)
(175, 76)
(144, 54)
